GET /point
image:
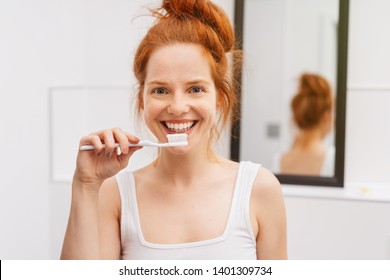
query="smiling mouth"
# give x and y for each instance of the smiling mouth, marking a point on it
(179, 127)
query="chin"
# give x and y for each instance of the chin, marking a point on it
(178, 150)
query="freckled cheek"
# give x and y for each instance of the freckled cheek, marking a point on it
(150, 112)
(209, 112)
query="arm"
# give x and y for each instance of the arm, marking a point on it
(109, 220)
(270, 213)
(89, 182)
(81, 237)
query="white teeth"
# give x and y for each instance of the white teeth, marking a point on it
(179, 127)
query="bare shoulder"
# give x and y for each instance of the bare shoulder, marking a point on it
(269, 215)
(266, 185)
(267, 196)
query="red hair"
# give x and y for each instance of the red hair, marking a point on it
(313, 99)
(197, 22)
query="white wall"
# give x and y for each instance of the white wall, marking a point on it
(337, 229)
(46, 43)
(368, 114)
(41, 45)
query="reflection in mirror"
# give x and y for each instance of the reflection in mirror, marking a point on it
(282, 40)
(312, 115)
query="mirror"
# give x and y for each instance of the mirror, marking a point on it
(281, 40)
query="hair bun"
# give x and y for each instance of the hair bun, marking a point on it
(313, 99)
(311, 85)
(180, 9)
(204, 11)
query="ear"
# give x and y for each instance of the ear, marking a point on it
(218, 105)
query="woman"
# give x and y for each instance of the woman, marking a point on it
(312, 108)
(189, 203)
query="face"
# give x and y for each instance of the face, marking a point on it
(179, 94)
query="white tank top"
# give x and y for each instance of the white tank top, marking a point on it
(237, 241)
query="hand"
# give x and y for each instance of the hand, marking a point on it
(94, 166)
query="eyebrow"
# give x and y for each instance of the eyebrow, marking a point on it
(156, 82)
(198, 81)
(192, 82)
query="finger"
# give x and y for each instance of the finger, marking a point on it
(93, 140)
(132, 139)
(121, 139)
(109, 142)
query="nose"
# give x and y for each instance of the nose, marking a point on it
(178, 104)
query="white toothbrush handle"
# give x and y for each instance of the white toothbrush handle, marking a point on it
(141, 143)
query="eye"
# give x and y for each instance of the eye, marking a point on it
(196, 90)
(159, 91)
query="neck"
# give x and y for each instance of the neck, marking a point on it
(308, 139)
(183, 169)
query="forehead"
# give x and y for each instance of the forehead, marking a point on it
(174, 61)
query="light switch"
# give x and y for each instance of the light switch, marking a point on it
(273, 130)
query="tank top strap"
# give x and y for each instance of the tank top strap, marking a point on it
(245, 179)
(129, 209)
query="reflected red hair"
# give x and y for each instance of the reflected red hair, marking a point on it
(313, 99)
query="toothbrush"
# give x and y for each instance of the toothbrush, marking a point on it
(174, 140)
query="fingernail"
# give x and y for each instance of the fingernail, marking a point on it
(109, 155)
